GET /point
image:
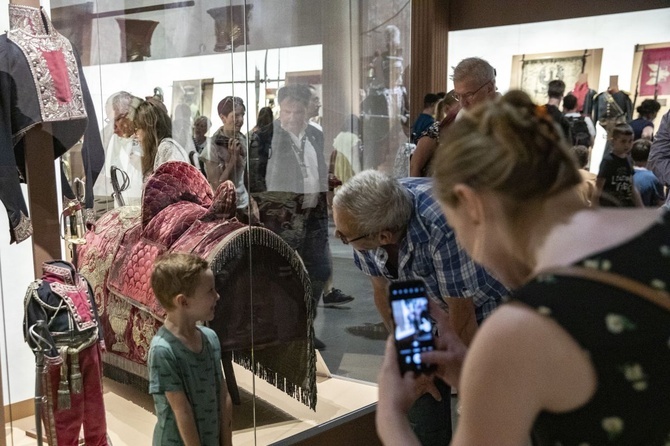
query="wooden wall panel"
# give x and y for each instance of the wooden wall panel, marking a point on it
(468, 14)
(428, 65)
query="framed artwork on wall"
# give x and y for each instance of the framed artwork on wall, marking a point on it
(533, 72)
(651, 75)
(186, 99)
(303, 77)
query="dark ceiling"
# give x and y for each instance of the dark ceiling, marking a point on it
(471, 14)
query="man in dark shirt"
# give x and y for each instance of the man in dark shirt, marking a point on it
(555, 91)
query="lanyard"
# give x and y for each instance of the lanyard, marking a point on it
(300, 154)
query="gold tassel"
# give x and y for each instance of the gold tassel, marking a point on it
(75, 376)
(63, 386)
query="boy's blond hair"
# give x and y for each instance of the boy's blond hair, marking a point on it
(175, 274)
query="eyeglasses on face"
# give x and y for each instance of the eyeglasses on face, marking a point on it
(346, 241)
(469, 95)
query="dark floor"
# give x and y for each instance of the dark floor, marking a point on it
(359, 355)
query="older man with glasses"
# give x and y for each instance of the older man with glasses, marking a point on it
(474, 82)
(398, 232)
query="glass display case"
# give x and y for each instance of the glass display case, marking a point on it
(301, 338)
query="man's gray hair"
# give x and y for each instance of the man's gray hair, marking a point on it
(121, 102)
(202, 118)
(474, 68)
(375, 201)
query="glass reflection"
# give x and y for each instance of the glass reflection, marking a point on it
(297, 108)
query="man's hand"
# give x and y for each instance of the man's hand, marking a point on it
(462, 318)
(449, 353)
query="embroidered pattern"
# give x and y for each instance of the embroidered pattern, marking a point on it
(65, 274)
(49, 54)
(23, 230)
(80, 292)
(26, 17)
(118, 310)
(144, 330)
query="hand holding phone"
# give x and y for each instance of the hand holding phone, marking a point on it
(413, 329)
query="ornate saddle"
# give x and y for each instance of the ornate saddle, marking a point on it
(180, 213)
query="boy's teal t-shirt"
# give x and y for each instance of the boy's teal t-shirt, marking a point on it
(173, 367)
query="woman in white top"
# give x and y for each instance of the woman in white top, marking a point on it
(153, 129)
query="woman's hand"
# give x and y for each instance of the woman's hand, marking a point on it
(397, 393)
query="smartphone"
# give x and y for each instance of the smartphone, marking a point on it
(413, 328)
(222, 141)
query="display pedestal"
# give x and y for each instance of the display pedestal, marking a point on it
(337, 396)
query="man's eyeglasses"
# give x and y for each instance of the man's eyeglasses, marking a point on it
(346, 241)
(469, 95)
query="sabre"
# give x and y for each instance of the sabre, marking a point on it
(118, 188)
(40, 336)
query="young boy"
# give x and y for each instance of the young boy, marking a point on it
(614, 186)
(646, 183)
(185, 378)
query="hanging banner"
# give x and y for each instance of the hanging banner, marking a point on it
(655, 78)
(537, 73)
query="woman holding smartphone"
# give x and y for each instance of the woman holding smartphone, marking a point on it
(581, 353)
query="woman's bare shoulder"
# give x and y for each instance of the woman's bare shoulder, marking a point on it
(592, 231)
(536, 356)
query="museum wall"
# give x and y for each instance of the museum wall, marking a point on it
(16, 272)
(616, 34)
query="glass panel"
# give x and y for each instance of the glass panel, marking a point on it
(287, 100)
(324, 90)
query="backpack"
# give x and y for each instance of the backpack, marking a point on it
(579, 131)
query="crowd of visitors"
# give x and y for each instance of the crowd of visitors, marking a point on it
(578, 354)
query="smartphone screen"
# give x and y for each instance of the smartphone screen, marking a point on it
(413, 330)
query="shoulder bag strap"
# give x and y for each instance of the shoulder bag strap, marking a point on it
(658, 297)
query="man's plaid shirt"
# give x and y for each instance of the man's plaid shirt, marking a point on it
(429, 252)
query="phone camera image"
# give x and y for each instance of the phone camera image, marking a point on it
(413, 327)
